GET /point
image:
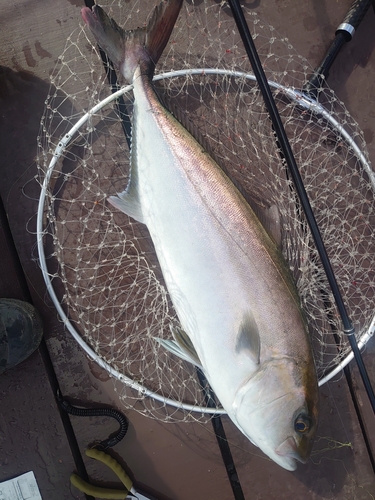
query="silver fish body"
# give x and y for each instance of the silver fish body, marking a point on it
(227, 279)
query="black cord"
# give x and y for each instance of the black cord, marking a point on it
(72, 440)
(98, 412)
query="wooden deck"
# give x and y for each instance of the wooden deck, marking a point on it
(175, 461)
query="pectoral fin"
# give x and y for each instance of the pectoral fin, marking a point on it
(181, 346)
(248, 340)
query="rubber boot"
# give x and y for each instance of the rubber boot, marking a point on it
(21, 331)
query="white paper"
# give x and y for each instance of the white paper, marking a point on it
(20, 488)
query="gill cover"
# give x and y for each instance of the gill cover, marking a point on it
(275, 400)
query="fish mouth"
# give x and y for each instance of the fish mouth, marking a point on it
(286, 454)
(286, 463)
(288, 449)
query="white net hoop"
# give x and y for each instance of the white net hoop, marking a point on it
(342, 142)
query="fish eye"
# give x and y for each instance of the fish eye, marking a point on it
(302, 423)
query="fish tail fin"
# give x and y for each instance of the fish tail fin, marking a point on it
(139, 47)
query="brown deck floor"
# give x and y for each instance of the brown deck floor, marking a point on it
(176, 462)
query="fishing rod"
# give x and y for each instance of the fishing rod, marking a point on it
(287, 153)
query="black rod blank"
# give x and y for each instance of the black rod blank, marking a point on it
(290, 160)
(221, 438)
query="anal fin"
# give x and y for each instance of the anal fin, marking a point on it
(181, 346)
(128, 203)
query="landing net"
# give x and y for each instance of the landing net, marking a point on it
(100, 265)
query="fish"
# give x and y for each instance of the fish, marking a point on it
(239, 310)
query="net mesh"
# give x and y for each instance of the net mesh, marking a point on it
(102, 264)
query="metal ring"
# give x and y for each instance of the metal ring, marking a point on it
(348, 28)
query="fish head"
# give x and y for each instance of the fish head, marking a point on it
(277, 409)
